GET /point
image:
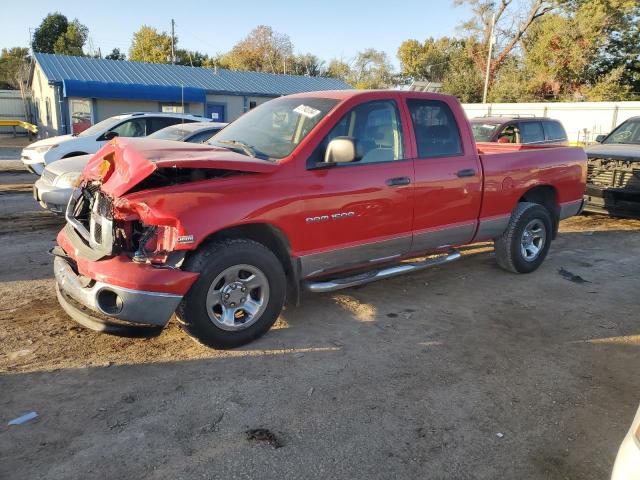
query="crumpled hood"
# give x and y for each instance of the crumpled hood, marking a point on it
(132, 160)
(616, 151)
(49, 141)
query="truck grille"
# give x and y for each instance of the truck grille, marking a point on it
(610, 173)
(89, 213)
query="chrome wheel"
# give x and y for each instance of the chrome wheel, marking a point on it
(533, 239)
(237, 297)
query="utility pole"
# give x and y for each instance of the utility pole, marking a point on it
(491, 42)
(173, 36)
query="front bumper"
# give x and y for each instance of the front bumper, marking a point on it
(106, 307)
(612, 201)
(51, 197)
(33, 160)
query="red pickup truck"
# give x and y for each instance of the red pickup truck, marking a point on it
(316, 191)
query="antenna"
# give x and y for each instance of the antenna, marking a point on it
(173, 41)
(492, 40)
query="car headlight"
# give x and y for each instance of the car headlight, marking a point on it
(67, 180)
(45, 148)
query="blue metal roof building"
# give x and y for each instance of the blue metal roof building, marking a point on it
(70, 90)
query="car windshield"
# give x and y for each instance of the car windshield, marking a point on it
(177, 133)
(99, 127)
(275, 128)
(627, 133)
(483, 131)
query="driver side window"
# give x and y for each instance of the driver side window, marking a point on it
(376, 128)
(131, 128)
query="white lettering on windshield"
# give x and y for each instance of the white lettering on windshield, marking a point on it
(306, 111)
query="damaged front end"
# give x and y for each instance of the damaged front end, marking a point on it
(119, 256)
(613, 185)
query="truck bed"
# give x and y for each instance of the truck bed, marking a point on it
(510, 169)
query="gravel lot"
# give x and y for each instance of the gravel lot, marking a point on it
(463, 371)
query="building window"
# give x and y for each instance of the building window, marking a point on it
(47, 105)
(253, 104)
(80, 114)
(171, 108)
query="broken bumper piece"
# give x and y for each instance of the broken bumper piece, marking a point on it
(110, 308)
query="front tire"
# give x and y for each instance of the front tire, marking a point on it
(237, 297)
(525, 243)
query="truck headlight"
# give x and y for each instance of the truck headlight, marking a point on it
(67, 180)
(45, 148)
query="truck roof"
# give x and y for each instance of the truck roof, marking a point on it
(346, 94)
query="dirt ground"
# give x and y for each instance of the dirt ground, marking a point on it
(460, 372)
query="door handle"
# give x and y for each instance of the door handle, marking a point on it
(397, 181)
(468, 172)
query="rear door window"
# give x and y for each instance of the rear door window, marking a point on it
(131, 128)
(531, 132)
(202, 136)
(435, 127)
(554, 131)
(158, 123)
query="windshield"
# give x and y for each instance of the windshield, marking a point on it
(626, 133)
(171, 133)
(275, 128)
(483, 132)
(100, 126)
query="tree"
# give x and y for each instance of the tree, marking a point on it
(609, 88)
(338, 69)
(191, 58)
(116, 55)
(463, 78)
(371, 69)
(622, 46)
(263, 50)
(149, 45)
(45, 36)
(446, 60)
(568, 53)
(14, 64)
(512, 20)
(425, 61)
(72, 40)
(305, 64)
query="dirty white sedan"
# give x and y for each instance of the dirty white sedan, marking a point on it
(53, 189)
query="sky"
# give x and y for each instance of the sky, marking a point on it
(328, 29)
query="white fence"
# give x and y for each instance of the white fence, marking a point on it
(11, 108)
(582, 120)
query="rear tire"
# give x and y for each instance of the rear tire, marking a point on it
(237, 297)
(525, 243)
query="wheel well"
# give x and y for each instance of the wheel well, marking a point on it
(74, 154)
(547, 196)
(276, 241)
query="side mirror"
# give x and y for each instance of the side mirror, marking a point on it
(342, 150)
(600, 138)
(109, 135)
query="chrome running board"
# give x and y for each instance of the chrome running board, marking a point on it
(374, 275)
